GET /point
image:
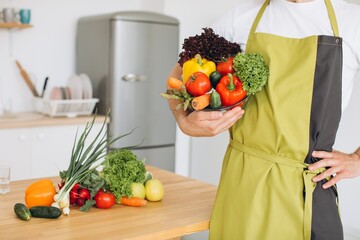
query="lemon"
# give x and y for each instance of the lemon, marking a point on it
(154, 190)
(138, 190)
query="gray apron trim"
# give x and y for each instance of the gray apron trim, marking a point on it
(326, 100)
(324, 122)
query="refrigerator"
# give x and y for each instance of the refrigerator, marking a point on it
(128, 56)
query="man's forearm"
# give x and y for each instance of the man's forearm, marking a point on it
(176, 71)
(357, 152)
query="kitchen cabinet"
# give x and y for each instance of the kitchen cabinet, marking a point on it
(15, 151)
(35, 152)
(51, 148)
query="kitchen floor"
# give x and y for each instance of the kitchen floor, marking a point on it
(205, 235)
(202, 236)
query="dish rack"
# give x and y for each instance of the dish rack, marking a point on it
(65, 108)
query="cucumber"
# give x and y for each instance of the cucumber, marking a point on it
(215, 77)
(215, 101)
(45, 212)
(22, 211)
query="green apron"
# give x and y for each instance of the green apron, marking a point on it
(265, 191)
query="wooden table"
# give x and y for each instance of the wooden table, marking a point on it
(185, 208)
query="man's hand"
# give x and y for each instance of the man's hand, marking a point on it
(340, 165)
(208, 123)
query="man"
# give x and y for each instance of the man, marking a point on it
(283, 143)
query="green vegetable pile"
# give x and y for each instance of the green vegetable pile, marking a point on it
(121, 168)
(252, 70)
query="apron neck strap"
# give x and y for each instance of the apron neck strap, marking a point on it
(332, 17)
(258, 16)
(329, 7)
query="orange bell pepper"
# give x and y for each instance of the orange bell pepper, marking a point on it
(40, 193)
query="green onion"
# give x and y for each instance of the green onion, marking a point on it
(84, 159)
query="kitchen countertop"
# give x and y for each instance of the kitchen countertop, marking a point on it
(185, 208)
(32, 119)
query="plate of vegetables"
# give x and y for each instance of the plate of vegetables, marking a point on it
(218, 77)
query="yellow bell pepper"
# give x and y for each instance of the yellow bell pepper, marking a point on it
(197, 64)
(40, 193)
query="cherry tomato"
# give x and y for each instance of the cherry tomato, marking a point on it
(104, 199)
(226, 67)
(198, 84)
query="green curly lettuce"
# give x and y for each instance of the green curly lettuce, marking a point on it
(252, 70)
(121, 168)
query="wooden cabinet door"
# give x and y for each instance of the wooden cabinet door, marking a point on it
(51, 150)
(15, 151)
(40, 151)
(52, 146)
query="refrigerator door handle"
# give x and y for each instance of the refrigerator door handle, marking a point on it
(130, 77)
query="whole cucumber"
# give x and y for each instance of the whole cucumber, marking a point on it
(45, 212)
(22, 211)
(215, 100)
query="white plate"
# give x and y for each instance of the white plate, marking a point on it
(87, 87)
(55, 94)
(75, 86)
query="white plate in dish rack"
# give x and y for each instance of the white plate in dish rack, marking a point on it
(75, 86)
(86, 86)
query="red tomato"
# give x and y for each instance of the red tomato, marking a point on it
(198, 84)
(226, 67)
(104, 199)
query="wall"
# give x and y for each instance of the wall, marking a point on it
(348, 141)
(48, 49)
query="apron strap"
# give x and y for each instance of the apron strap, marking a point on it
(330, 9)
(307, 175)
(258, 16)
(332, 17)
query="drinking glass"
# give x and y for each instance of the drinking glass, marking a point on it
(4, 179)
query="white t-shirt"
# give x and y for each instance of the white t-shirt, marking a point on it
(299, 20)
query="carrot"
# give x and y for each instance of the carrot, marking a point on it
(200, 102)
(174, 83)
(133, 201)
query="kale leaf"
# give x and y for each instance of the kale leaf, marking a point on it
(252, 71)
